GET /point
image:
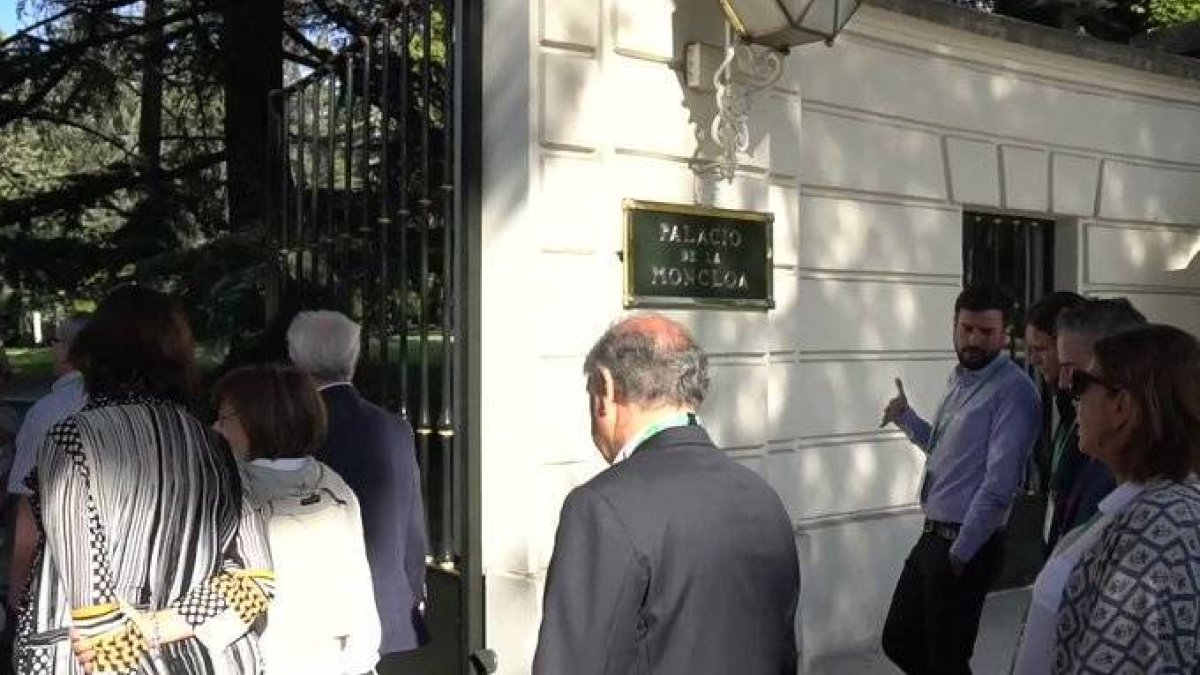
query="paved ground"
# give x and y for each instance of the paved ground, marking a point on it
(993, 650)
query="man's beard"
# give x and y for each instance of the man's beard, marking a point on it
(975, 358)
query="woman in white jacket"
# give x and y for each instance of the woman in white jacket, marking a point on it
(323, 620)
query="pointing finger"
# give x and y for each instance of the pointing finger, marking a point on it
(900, 388)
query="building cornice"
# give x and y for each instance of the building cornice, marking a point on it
(1043, 37)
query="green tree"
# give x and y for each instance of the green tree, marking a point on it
(1166, 13)
(137, 134)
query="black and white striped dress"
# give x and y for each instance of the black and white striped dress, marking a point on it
(140, 508)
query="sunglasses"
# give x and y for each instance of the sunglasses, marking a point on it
(1081, 380)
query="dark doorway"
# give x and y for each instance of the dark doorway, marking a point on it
(1018, 254)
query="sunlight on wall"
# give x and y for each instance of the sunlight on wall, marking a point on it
(1182, 258)
(1001, 87)
(1135, 245)
(852, 234)
(906, 308)
(868, 262)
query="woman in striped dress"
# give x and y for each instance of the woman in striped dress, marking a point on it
(148, 550)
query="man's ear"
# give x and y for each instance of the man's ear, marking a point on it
(608, 389)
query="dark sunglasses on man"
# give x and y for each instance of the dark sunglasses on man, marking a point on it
(1082, 379)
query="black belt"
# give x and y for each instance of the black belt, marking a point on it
(947, 531)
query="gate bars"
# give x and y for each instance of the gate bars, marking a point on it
(364, 212)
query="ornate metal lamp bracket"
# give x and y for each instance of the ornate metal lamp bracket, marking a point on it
(745, 70)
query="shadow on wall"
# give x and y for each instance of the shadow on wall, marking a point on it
(702, 21)
(849, 571)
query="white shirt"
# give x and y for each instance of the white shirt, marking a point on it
(66, 398)
(667, 422)
(1036, 652)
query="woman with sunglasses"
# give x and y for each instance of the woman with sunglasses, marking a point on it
(1121, 593)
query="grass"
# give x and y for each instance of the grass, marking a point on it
(31, 363)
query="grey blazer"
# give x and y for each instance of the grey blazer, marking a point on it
(677, 560)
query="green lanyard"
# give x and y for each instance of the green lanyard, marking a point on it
(1061, 440)
(944, 417)
(676, 420)
(939, 420)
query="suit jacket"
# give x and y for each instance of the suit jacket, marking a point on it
(677, 560)
(374, 453)
(1078, 485)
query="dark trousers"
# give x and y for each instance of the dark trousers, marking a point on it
(934, 617)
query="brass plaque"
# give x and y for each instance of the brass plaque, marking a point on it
(685, 256)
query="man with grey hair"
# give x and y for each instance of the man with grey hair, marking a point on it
(66, 398)
(675, 559)
(1081, 482)
(373, 451)
(1081, 327)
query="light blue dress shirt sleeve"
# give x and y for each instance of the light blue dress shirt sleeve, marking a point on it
(65, 399)
(1013, 431)
(917, 429)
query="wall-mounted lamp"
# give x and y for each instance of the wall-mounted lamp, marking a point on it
(753, 60)
(783, 24)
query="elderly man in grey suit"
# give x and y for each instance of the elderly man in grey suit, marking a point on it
(676, 559)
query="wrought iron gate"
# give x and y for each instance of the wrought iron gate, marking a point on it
(373, 207)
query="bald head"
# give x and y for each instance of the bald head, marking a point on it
(653, 362)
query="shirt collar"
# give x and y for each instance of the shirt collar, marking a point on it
(1120, 497)
(661, 424)
(67, 379)
(984, 372)
(282, 464)
(331, 385)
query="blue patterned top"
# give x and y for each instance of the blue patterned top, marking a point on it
(1132, 604)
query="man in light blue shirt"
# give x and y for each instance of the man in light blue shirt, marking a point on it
(66, 397)
(978, 443)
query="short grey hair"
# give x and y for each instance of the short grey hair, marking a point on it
(325, 344)
(653, 361)
(1100, 318)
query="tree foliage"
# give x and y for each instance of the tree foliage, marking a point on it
(1167, 13)
(115, 125)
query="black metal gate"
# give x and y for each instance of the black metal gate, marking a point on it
(374, 209)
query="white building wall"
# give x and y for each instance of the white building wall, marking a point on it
(867, 154)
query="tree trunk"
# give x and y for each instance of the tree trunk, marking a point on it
(150, 121)
(253, 51)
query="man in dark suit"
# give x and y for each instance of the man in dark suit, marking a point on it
(373, 451)
(1076, 483)
(676, 559)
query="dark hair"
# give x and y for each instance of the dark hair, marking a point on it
(653, 360)
(1160, 368)
(137, 342)
(279, 408)
(1043, 315)
(982, 297)
(1099, 318)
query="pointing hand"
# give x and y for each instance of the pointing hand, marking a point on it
(895, 407)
